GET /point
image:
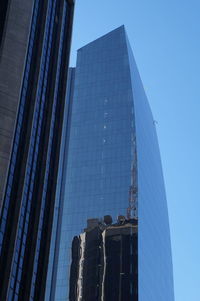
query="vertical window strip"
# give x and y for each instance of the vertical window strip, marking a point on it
(49, 153)
(35, 135)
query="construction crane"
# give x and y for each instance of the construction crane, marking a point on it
(133, 189)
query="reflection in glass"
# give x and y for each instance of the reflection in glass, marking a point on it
(105, 262)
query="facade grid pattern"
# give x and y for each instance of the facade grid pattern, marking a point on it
(109, 111)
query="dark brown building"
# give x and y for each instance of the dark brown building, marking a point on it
(35, 38)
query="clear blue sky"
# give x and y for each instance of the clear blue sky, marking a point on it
(165, 38)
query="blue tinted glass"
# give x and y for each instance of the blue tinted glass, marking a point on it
(109, 109)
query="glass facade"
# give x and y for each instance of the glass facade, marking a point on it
(154, 247)
(105, 261)
(109, 110)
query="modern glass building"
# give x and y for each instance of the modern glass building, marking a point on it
(35, 38)
(111, 131)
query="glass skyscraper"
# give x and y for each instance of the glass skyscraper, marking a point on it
(110, 130)
(35, 37)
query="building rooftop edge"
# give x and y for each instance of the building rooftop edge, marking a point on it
(121, 27)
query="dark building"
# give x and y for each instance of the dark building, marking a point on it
(105, 262)
(35, 40)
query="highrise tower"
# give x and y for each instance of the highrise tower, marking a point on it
(112, 133)
(34, 51)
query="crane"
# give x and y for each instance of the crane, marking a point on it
(133, 189)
